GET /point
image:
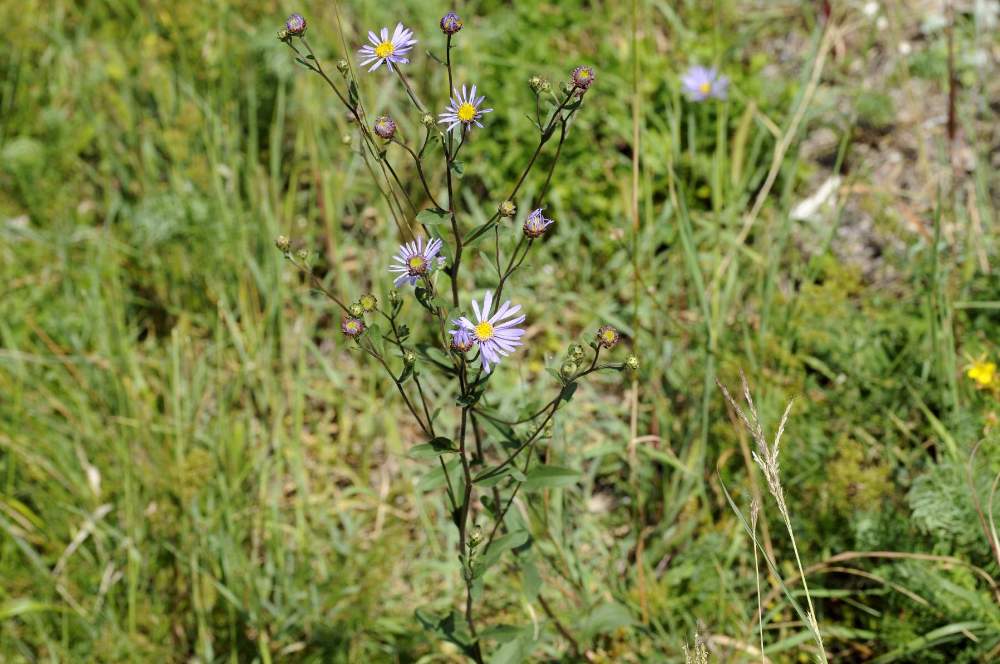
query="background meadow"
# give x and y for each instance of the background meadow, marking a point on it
(195, 468)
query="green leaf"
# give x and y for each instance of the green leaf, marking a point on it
(517, 474)
(513, 652)
(550, 477)
(497, 548)
(435, 478)
(458, 167)
(607, 618)
(436, 447)
(532, 580)
(432, 216)
(488, 479)
(375, 336)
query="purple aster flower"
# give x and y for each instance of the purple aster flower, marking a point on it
(496, 335)
(384, 49)
(296, 24)
(352, 327)
(700, 83)
(536, 224)
(464, 109)
(583, 76)
(415, 259)
(385, 127)
(451, 23)
(461, 340)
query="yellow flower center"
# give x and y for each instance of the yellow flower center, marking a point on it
(609, 336)
(385, 49)
(584, 74)
(484, 331)
(417, 264)
(982, 372)
(705, 88)
(466, 112)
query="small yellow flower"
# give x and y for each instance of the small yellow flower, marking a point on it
(983, 372)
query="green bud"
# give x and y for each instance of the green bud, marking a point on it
(632, 363)
(368, 302)
(284, 35)
(539, 84)
(576, 353)
(428, 121)
(393, 296)
(356, 310)
(475, 537)
(302, 254)
(568, 370)
(343, 67)
(282, 243)
(409, 358)
(346, 139)
(508, 209)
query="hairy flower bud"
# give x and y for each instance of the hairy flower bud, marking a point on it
(302, 254)
(632, 363)
(356, 310)
(385, 127)
(346, 139)
(409, 358)
(284, 36)
(583, 76)
(575, 353)
(343, 66)
(568, 369)
(607, 336)
(508, 209)
(451, 23)
(296, 25)
(428, 121)
(282, 243)
(368, 302)
(352, 326)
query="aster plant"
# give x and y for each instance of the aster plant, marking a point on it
(431, 320)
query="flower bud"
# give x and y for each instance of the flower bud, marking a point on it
(302, 254)
(632, 363)
(346, 139)
(368, 302)
(607, 337)
(539, 84)
(409, 358)
(461, 340)
(385, 127)
(583, 76)
(282, 243)
(428, 121)
(568, 370)
(356, 310)
(451, 23)
(283, 35)
(393, 296)
(352, 327)
(508, 209)
(343, 67)
(576, 353)
(296, 25)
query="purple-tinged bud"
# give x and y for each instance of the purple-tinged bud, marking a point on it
(536, 224)
(352, 327)
(462, 340)
(583, 76)
(385, 127)
(296, 25)
(451, 23)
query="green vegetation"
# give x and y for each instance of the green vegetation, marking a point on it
(194, 467)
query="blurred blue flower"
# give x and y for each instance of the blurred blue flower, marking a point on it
(461, 339)
(700, 83)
